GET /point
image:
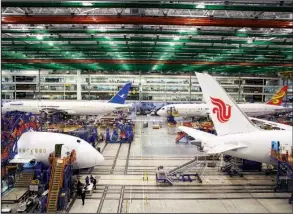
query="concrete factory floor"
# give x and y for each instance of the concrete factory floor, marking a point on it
(121, 188)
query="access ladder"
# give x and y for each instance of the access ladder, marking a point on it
(185, 167)
(56, 182)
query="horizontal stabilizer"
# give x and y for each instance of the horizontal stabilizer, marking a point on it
(196, 134)
(273, 124)
(225, 147)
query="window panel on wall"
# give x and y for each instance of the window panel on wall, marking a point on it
(25, 79)
(272, 82)
(253, 98)
(7, 87)
(6, 79)
(195, 89)
(247, 89)
(70, 87)
(29, 87)
(52, 79)
(25, 95)
(86, 96)
(271, 90)
(70, 79)
(7, 95)
(98, 79)
(253, 81)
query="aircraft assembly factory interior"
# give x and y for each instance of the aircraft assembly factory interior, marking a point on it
(146, 106)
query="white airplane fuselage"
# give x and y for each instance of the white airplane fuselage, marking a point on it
(258, 144)
(69, 107)
(200, 110)
(38, 146)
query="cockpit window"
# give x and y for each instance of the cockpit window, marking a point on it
(163, 108)
(78, 141)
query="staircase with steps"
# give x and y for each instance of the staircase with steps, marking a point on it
(24, 179)
(185, 166)
(56, 181)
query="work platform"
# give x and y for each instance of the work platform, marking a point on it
(14, 195)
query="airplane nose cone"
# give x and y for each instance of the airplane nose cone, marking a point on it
(99, 159)
(160, 113)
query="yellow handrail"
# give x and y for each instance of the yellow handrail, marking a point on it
(51, 179)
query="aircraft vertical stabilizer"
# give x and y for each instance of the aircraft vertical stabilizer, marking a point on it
(122, 94)
(278, 97)
(226, 115)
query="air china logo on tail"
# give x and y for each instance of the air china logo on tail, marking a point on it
(222, 110)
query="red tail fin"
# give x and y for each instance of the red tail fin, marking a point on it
(278, 97)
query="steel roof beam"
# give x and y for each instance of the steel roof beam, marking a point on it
(140, 39)
(154, 62)
(140, 20)
(142, 46)
(192, 6)
(156, 32)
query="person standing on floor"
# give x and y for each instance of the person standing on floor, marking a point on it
(79, 188)
(83, 196)
(94, 183)
(87, 181)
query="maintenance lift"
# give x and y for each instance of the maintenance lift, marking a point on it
(187, 172)
(284, 161)
(14, 124)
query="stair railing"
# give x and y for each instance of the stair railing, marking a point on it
(51, 179)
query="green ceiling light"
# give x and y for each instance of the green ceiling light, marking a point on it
(172, 44)
(176, 38)
(102, 29)
(242, 30)
(50, 43)
(39, 37)
(200, 6)
(87, 4)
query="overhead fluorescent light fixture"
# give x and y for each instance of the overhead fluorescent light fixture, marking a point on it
(39, 37)
(87, 4)
(176, 38)
(102, 29)
(172, 44)
(51, 43)
(242, 30)
(201, 5)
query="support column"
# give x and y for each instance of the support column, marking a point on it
(190, 84)
(39, 94)
(78, 85)
(239, 88)
(140, 87)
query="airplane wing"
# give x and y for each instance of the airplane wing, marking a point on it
(122, 107)
(225, 148)
(218, 148)
(196, 134)
(18, 159)
(57, 110)
(273, 124)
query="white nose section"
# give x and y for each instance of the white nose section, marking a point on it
(99, 159)
(160, 113)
